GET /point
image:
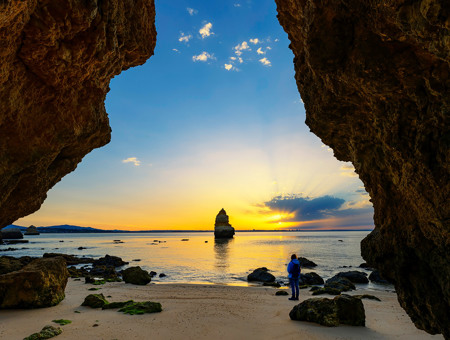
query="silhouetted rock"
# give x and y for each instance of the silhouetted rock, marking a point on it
(305, 263)
(281, 292)
(341, 283)
(11, 234)
(375, 276)
(222, 228)
(343, 309)
(70, 259)
(113, 261)
(354, 276)
(136, 275)
(32, 230)
(162, 275)
(261, 275)
(311, 279)
(272, 284)
(40, 283)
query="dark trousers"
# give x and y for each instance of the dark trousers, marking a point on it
(293, 282)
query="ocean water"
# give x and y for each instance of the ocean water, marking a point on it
(202, 259)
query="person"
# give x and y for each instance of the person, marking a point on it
(293, 269)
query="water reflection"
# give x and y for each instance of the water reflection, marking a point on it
(222, 246)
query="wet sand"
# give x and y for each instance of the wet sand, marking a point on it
(203, 312)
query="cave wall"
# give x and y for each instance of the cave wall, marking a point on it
(56, 61)
(374, 77)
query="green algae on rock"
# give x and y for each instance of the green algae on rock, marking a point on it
(46, 333)
(137, 308)
(95, 301)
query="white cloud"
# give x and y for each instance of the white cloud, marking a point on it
(133, 160)
(228, 67)
(260, 51)
(205, 31)
(233, 58)
(175, 50)
(268, 47)
(241, 60)
(237, 5)
(276, 40)
(204, 56)
(191, 11)
(254, 41)
(265, 61)
(241, 47)
(184, 38)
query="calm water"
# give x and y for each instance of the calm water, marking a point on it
(218, 262)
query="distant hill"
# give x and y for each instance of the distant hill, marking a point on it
(65, 228)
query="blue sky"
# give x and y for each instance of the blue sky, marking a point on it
(214, 119)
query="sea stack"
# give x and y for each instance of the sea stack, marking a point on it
(32, 230)
(222, 228)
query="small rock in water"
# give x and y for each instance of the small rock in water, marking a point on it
(137, 260)
(81, 248)
(305, 263)
(261, 274)
(206, 241)
(136, 275)
(340, 240)
(61, 241)
(152, 273)
(162, 275)
(185, 239)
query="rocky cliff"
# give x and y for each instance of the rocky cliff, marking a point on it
(375, 80)
(56, 61)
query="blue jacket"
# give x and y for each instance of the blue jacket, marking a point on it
(290, 265)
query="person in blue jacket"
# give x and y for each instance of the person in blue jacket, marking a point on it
(293, 269)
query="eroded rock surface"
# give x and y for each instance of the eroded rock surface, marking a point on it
(375, 80)
(56, 61)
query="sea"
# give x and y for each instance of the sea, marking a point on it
(196, 257)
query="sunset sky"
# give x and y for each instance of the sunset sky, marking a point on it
(213, 120)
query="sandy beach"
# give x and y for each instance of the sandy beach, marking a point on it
(197, 311)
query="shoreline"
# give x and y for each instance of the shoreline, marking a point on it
(203, 311)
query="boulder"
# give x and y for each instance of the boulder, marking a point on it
(341, 283)
(281, 292)
(305, 263)
(137, 308)
(32, 230)
(112, 261)
(136, 275)
(95, 301)
(261, 275)
(47, 332)
(375, 276)
(222, 228)
(40, 283)
(311, 279)
(343, 309)
(354, 276)
(11, 234)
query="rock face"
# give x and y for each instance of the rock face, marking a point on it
(222, 228)
(32, 230)
(41, 283)
(11, 234)
(56, 61)
(374, 77)
(343, 309)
